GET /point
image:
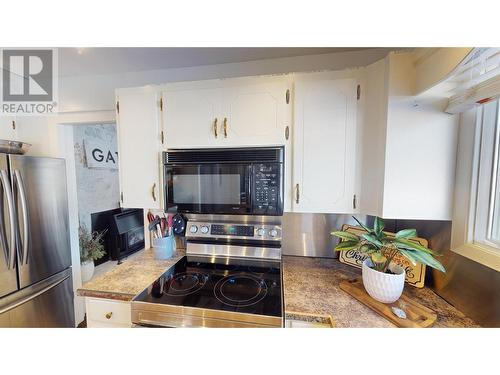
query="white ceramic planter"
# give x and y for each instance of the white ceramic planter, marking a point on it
(87, 270)
(382, 286)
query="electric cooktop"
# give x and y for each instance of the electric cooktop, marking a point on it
(241, 286)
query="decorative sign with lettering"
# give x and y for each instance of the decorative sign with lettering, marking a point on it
(415, 275)
(100, 154)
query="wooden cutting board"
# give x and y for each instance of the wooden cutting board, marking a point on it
(417, 316)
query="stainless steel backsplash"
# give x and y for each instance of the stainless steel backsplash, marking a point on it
(469, 286)
(309, 234)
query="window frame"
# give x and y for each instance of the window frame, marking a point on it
(486, 168)
(470, 227)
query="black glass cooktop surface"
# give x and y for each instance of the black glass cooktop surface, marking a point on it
(237, 285)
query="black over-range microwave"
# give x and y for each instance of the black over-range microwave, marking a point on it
(225, 181)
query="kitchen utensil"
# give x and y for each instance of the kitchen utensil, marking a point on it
(179, 224)
(169, 225)
(163, 227)
(151, 217)
(158, 226)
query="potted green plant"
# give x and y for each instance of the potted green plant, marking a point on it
(382, 278)
(91, 248)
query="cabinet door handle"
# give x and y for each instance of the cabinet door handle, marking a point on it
(215, 127)
(225, 127)
(153, 192)
(297, 194)
(109, 315)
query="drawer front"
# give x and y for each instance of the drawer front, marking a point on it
(96, 324)
(108, 312)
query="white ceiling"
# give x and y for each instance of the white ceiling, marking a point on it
(88, 61)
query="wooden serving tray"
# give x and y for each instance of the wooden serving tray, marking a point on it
(417, 316)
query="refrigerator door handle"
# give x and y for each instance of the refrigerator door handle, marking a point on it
(39, 289)
(24, 208)
(4, 178)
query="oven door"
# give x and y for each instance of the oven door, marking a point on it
(208, 188)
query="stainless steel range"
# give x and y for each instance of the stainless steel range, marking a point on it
(230, 277)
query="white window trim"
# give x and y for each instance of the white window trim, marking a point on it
(468, 157)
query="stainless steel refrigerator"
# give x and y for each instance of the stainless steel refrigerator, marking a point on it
(36, 288)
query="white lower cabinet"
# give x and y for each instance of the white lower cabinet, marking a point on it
(324, 146)
(105, 313)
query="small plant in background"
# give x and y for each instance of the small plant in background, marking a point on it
(382, 247)
(91, 246)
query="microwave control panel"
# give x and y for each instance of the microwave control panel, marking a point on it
(266, 189)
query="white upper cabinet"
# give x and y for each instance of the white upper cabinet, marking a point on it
(191, 118)
(139, 147)
(255, 114)
(324, 147)
(232, 113)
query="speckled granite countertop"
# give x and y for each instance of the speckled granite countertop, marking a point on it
(311, 286)
(130, 278)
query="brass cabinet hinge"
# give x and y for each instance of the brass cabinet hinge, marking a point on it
(287, 132)
(162, 137)
(117, 107)
(161, 104)
(354, 201)
(121, 196)
(358, 92)
(287, 96)
(13, 125)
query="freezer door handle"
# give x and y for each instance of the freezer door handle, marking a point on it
(4, 178)
(38, 289)
(24, 208)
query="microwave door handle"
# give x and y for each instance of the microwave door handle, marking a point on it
(12, 219)
(249, 191)
(24, 208)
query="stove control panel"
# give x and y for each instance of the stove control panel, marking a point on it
(229, 230)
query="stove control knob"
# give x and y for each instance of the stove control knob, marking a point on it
(261, 231)
(273, 232)
(193, 229)
(204, 229)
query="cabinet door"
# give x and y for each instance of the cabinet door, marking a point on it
(190, 118)
(324, 145)
(255, 114)
(139, 148)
